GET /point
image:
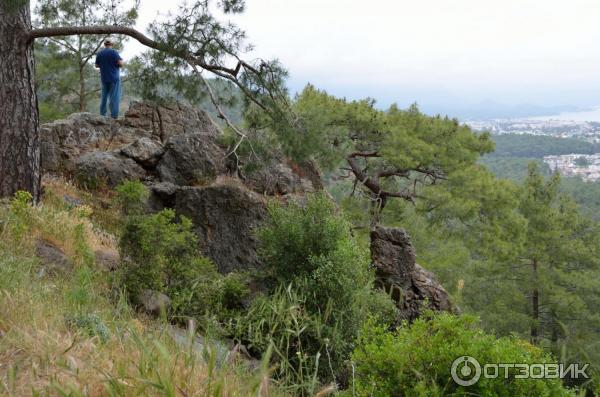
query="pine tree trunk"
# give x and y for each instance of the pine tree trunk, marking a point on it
(19, 119)
(535, 305)
(82, 101)
(81, 65)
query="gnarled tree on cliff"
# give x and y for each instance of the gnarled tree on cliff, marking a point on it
(431, 162)
(190, 39)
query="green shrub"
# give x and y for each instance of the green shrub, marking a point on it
(162, 255)
(417, 360)
(296, 232)
(20, 215)
(280, 324)
(311, 246)
(323, 292)
(91, 324)
(131, 197)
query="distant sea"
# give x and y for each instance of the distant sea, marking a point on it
(584, 115)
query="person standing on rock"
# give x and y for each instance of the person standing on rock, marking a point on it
(110, 62)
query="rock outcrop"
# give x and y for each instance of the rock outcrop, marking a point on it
(191, 160)
(413, 288)
(168, 119)
(107, 259)
(176, 151)
(279, 178)
(145, 151)
(53, 259)
(225, 217)
(64, 141)
(96, 169)
(154, 302)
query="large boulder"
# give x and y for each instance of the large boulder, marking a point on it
(165, 120)
(97, 169)
(280, 177)
(191, 160)
(225, 218)
(154, 302)
(64, 141)
(145, 151)
(53, 259)
(107, 259)
(413, 288)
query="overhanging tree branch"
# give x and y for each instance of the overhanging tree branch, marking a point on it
(190, 57)
(133, 33)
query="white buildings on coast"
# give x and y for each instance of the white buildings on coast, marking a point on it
(588, 131)
(585, 166)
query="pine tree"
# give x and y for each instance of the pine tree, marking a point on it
(68, 60)
(547, 289)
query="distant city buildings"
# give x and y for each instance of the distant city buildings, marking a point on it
(586, 130)
(585, 166)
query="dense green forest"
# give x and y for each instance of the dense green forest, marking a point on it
(513, 153)
(538, 146)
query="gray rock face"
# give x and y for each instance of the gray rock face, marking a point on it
(107, 259)
(154, 302)
(98, 168)
(72, 201)
(225, 219)
(191, 159)
(162, 195)
(166, 120)
(278, 178)
(413, 288)
(393, 255)
(53, 259)
(63, 141)
(144, 151)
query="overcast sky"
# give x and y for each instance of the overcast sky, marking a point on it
(439, 53)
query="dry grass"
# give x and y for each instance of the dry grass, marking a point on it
(104, 212)
(43, 352)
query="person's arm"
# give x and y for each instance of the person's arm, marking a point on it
(119, 60)
(96, 65)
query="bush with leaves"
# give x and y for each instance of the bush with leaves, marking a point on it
(131, 197)
(18, 217)
(311, 242)
(416, 360)
(162, 255)
(323, 295)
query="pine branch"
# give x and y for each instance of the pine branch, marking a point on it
(133, 33)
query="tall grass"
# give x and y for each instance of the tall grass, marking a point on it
(70, 334)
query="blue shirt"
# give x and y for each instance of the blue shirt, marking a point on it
(107, 60)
